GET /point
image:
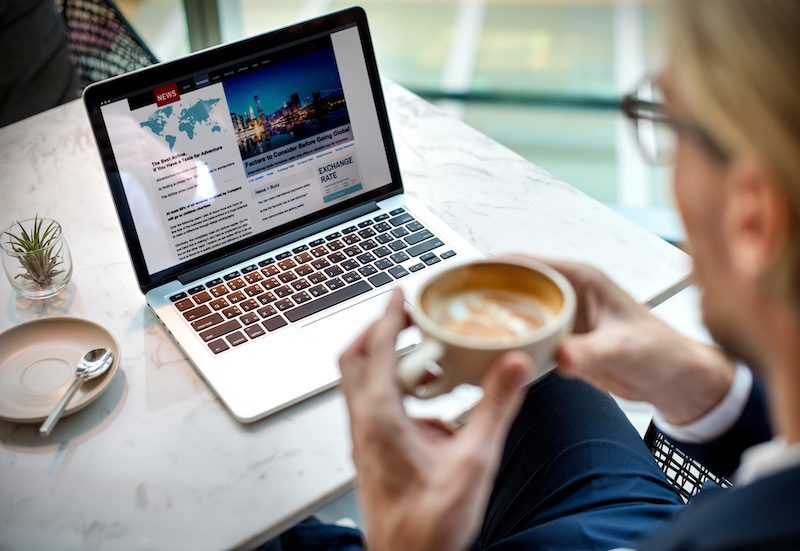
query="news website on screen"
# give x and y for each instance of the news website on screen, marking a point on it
(225, 155)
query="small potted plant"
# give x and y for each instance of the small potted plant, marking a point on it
(36, 258)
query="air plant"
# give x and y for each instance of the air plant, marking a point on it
(38, 250)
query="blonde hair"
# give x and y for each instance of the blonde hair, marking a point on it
(737, 65)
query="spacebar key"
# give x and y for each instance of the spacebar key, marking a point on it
(331, 299)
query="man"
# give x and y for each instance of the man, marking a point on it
(570, 473)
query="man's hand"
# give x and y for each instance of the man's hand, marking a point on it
(422, 485)
(621, 347)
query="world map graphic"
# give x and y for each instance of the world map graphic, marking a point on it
(162, 122)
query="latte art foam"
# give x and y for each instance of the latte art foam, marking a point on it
(490, 314)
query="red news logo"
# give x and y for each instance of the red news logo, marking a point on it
(166, 94)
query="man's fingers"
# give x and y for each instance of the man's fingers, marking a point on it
(502, 394)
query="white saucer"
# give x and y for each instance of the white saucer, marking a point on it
(37, 365)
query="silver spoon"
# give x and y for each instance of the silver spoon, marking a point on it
(93, 364)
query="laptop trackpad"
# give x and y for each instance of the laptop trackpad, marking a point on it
(334, 333)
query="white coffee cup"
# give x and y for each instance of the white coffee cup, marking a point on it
(471, 314)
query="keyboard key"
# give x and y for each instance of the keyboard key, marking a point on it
(399, 257)
(304, 270)
(320, 263)
(365, 223)
(399, 232)
(349, 264)
(302, 258)
(351, 277)
(417, 267)
(380, 252)
(300, 284)
(365, 258)
(382, 227)
(397, 211)
(214, 282)
(250, 268)
(367, 271)
(316, 242)
(301, 297)
(384, 238)
(271, 283)
(231, 312)
(300, 249)
(230, 276)
(270, 271)
(204, 323)
(220, 330)
(219, 304)
(266, 262)
(267, 311)
(366, 233)
(237, 296)
(236, 338)
(218, 346)
(427, 256)
(249, 304)
(351, 239)
(236, 284)
(326, 301)
(335, 258)
(274, 323)
(284, 304)
(317, 278)
(415, 238)
(334, 284)
(397, 245)
(332, 236)
(184, 304)
(384, 263)
(398, 272)
(319, 251)
(353, 251)
(448, 254)
(349, 229)
(176, 298)
(424, 247)
(254, 331)
(286, 277)
(253, 277)
(283, 255)
(336, 245)
(254, 290)
(368, 244)
(197, 313)
(401, 219)
(381, 217)
(287, 264)
(333, 271)
(197, 289)
(433, 260)
(284, 291)
(380, 279)
(219, 291)
(200, 298)
(414, 226)
(267, 297)
(317, 290)
(249, 318)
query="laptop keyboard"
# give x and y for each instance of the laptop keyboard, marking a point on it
(263, 297)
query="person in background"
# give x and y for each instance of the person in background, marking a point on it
(557, 466)
(35, 69)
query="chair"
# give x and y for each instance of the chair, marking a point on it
(101, 42)
(686, 475)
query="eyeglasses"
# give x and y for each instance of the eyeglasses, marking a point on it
(656, 130)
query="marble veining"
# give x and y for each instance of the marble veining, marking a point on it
(157, 462)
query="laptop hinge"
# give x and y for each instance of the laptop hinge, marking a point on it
(274, 243)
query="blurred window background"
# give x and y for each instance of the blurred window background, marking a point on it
(542, 77)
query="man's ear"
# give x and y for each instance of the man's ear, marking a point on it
(755, 218)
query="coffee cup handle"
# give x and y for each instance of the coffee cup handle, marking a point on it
(412, 368)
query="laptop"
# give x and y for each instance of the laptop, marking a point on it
(260, 197)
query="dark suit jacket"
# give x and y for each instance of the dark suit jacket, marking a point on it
(764, 514)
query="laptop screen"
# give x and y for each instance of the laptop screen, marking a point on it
(248, 146)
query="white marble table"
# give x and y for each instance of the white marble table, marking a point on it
(157, 462)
